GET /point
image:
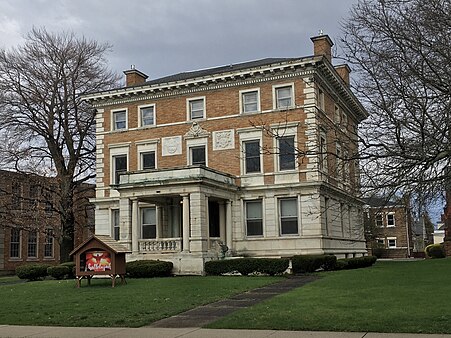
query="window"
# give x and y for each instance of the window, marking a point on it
(288, 216)
(344, 120)
(391, 219)
(391, 243)
(149, 223)
(379, 222)
(16, 196)
(337, 114)
(346, 167)
(120, 166)
(32, 244)
(34, 195)
(197, 155)
(321, 102)
(252, 156)
(323, 152)
(119, 119)
(148, 160)
(250, 102)
(380, 241)
(14, 243)
(116, 224)
(254, 218)
(339, 162)
(48, 203)
(196, 108)
(284, 97)
(287, 156)
(147, 116)
(48, 245)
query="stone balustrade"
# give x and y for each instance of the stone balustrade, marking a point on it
(160, 245)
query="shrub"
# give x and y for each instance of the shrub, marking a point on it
(356, 262)
(58, 271)
(435, 251)
(148, 269)
(32, 271)
(341, 264)
(245, 266)
(311, 263)
(71, 266)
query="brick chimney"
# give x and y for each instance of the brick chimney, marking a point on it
(343, 71)
(134, 77)
(322, 45)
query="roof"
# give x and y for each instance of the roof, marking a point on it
(378, 202)
(217, 70)
(112, 244)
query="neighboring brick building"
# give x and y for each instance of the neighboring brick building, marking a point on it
(248, 155)
(29, 222)
(388, 226)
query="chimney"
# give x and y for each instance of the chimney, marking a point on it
(343, 71)
(322, 45)
(134, 77)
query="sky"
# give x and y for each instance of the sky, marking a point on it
(163, 37)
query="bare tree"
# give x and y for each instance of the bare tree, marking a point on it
(401, 52)
(46, 127)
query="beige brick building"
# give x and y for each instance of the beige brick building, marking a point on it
(250, 156)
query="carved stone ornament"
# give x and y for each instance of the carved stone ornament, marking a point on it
(196, 131)
(171, 146)
(223, 139)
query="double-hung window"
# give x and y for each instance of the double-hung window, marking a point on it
(391, 243)
(196, 108)
(48, 245)
(14, 243)
(288, 212)
(254, 218)
(250, 101)
(148, 160)
(32, 244)
(284, 97)
(147, 115)
(252, 156)
(120, 166)
(119, 119)
(287, 154)
(323, 152)
(379, 221)
(197, 155)
(148, 223)
(116, 224)
(391, 219)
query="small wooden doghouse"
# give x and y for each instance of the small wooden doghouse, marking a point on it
(100, 255)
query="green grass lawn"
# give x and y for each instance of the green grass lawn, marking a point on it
(138, 303)
(408, 296)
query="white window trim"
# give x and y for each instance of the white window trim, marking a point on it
(140, 122)
(45, 243)
(118, 151)
(113, 124)
(188, 110)
(20, 246)
(197, 142)
(244, 213)
(394, 219)
(274, 96)
(279, 216)
(112, 221)
(388, 241)
(141, 218)
(322, 160)
(338, 162)
(241, 92)
(382, 219)
(321, 99)
(36, 244)
(145, 148)
(285, 132)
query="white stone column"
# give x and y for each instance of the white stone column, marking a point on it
(198, 222)
(229, 223)
(222, 222)
(159, 219)
(125, 222)
(135, 226)
(186, 223)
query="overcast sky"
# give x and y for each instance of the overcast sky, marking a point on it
(162, 37)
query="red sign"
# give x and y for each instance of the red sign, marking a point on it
(98, 261)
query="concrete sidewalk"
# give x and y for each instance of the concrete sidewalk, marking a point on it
(91, 332)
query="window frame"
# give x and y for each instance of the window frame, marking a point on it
(113, 119)
(246, 158)
(260, 220)
(392, 239)
(279, 153)
(191, 155)
(323, 165)
(279, 204)
(142, 224)
(115, 227)
(141, 159)
(242, 94)
(140, 115)
(189, 115)
(49, 243)
(115, 173)
(32, 246)
(387, 219)
(379, 222)
(17, 244)
(321, 99)
(276, 88)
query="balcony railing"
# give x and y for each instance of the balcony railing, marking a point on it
(160, 245)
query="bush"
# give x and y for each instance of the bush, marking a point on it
(71, 266)
(148, 269)
(58, 271)
(32, 271)
(311, 263)
(356, 262)
(245, 266)
(341, 264)
(435, 251)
